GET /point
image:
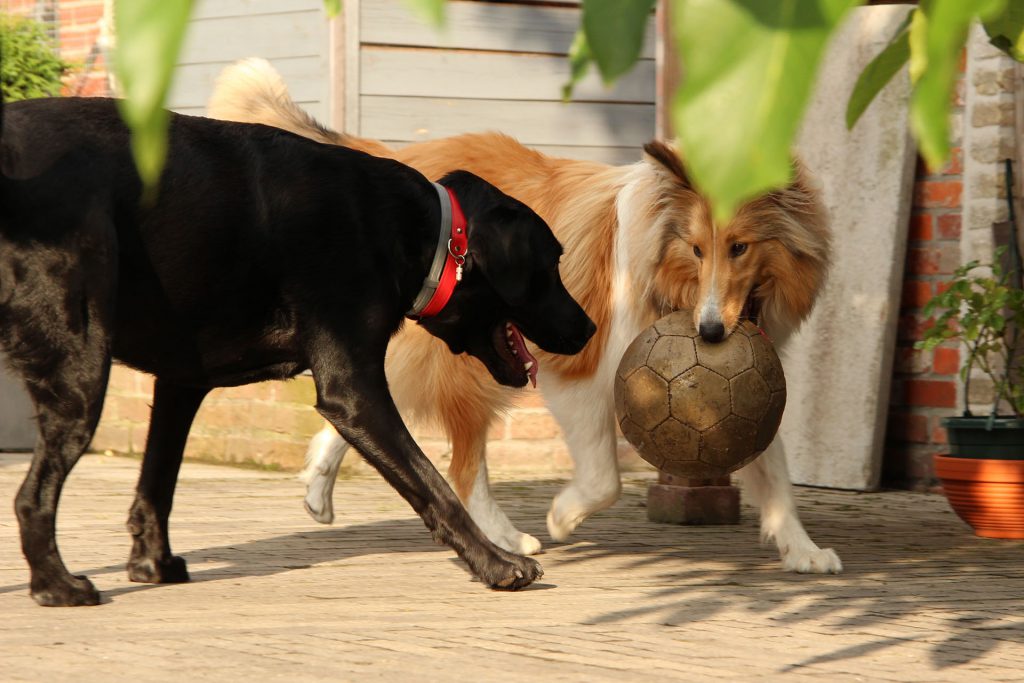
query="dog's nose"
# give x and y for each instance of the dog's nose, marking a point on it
(712, 332)
(591, 329)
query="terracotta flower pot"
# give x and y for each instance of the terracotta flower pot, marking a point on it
(987, 494)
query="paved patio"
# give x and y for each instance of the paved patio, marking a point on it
(276, 597)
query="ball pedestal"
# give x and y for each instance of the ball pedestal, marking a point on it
(677, 500)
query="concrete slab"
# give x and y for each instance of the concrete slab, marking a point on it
(276, 597)
(839, 366)
(17, 426)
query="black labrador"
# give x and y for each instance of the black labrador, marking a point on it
(263, 254)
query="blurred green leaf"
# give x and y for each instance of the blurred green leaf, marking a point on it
(938, 32)
(431, 11)
(1005, 29)
(149, 37)
(878, 72)
(333, 7)
(615, 33)
(579, 63)
(750, 66)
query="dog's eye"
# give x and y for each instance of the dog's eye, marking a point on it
(737, 249)
(697, 252)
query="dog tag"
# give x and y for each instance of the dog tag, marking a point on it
(458, 273)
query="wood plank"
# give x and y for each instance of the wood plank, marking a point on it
(296, 34)
(193, 83)
(481, 26)
(350, 85)
(317, 109)
(209, 9)
(534, 123)
(418, 72)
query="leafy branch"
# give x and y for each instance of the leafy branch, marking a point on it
(983, 308)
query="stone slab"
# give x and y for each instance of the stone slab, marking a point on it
(839, 366)
(693, 504)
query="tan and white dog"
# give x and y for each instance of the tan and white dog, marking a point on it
(639, 242)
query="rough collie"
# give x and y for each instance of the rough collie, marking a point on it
(639, 242)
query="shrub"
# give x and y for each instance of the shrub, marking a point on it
(29, 64)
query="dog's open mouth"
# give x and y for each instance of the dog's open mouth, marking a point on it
(751, 309)
(511, 346)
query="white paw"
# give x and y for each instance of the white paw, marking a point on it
(562, 523)
(518, 543)
(813, 560)
(319, 507)
(570, 508)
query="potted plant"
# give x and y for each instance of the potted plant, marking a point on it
(983, 475)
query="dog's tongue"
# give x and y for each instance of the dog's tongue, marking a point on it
(530, 363)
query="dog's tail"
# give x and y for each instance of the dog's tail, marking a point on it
(252, 91)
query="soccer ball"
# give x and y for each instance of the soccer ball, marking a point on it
(695, 409)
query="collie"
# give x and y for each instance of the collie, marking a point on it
(639, 242)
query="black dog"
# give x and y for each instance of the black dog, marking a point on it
(262, 255)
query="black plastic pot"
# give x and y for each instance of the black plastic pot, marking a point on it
(1000, 438)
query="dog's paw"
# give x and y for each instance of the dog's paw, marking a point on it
(517, 542)
(525, 544)
(573, 505)
(813, 560)
(151, 570)
(69, 591)
(320, 509)
(562, 524)
(511, 574)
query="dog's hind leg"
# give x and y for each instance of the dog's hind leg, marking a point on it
(323, 460)
(151, 561)
(468, 473)
(56, 334)
(766, 483)
(585, 412)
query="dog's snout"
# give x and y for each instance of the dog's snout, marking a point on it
(590, 330)
(712, 332)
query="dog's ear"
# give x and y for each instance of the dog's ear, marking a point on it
(665, 159)
(500, 247)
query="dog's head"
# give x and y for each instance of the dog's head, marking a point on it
(767, 264)
(510, 287)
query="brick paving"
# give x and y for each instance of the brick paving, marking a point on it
(276, 597)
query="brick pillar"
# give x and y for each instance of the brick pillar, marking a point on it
(674, 500)
(925, 384)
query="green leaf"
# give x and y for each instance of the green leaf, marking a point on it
(938, 32)
(749, 69)
(149, 37)
(333, 7)
(579, 63)
(1005, 29)
(878, 72)
(431, 11)
(615, 33)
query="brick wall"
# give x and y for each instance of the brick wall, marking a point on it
(924, 386)
(951, 223)
(78, 27)
(269, 424)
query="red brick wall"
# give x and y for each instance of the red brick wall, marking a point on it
(78, 24)
(924, 384)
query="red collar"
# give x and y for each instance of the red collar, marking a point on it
(449, 256)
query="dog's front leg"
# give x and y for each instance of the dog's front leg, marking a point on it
(357, 402)
(151, 560)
